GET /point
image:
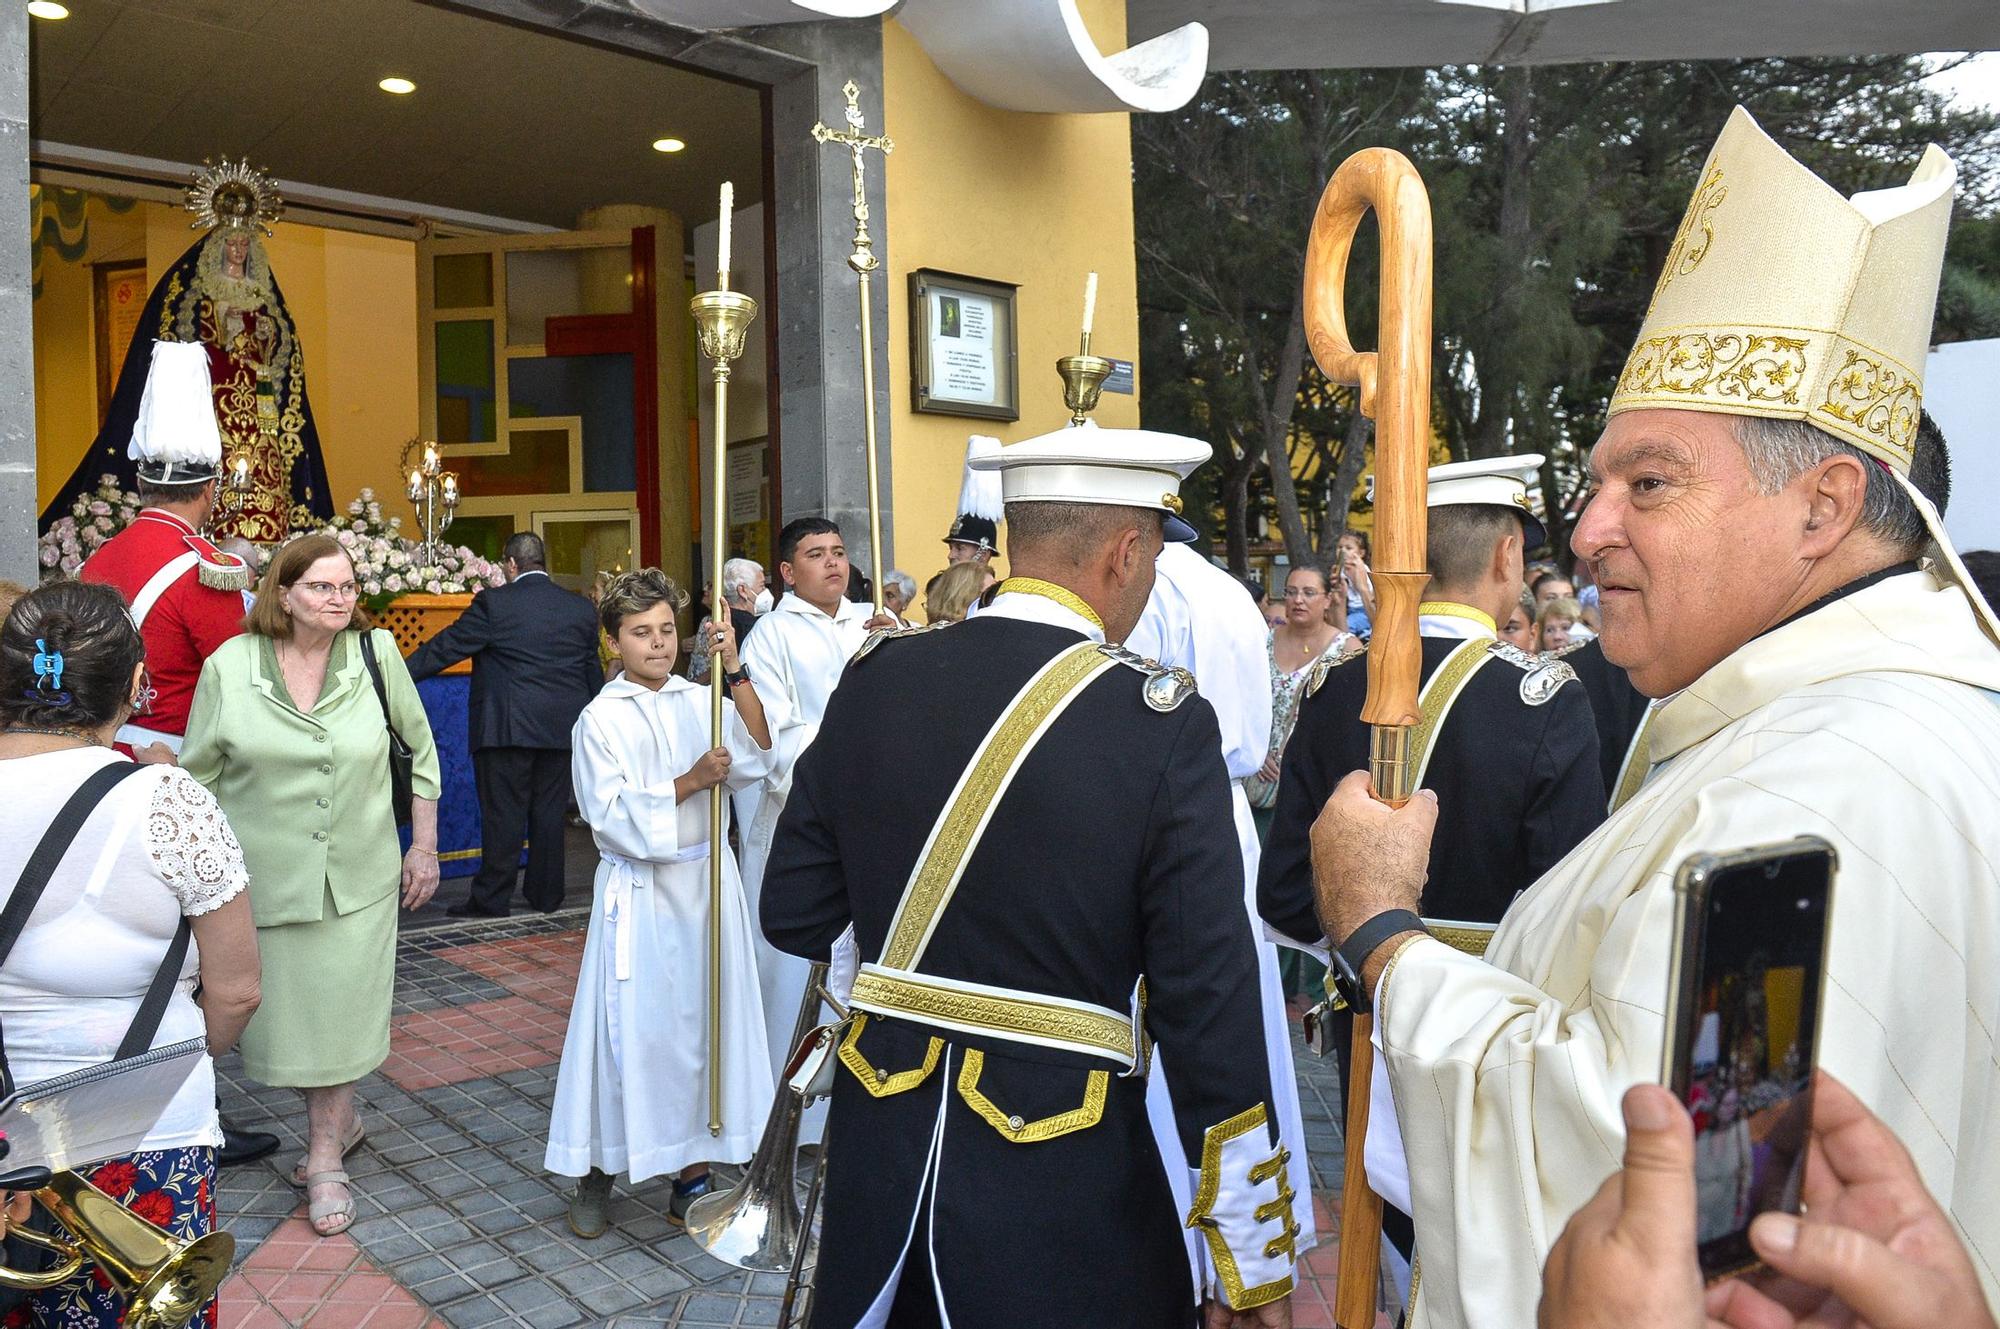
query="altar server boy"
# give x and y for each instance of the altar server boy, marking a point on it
(632, 1091)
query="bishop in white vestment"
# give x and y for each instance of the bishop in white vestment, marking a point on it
(1823, 668)
(632, 1092)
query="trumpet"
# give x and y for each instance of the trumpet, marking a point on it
(163, 1279)
(759, 1224)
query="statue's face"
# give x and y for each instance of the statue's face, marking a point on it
(236, 248)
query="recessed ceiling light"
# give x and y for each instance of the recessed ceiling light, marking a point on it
(48, 9)
(399, 86)
(667, 145)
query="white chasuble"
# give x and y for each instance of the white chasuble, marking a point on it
(632, 1092)
(796, 654)
(1872, 722)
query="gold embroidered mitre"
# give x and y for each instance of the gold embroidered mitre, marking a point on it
(1782, 298)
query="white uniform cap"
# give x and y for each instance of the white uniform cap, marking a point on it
(175, 440)
(1127, 468)
(1500, 482)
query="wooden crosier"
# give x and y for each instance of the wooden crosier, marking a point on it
(1395, 391)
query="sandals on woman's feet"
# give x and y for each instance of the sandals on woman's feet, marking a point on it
(296, 1174)
(340, 1211)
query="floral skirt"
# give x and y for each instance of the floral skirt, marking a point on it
(172, 1188)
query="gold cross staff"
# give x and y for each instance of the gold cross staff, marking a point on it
(863, 261)
(857, 141)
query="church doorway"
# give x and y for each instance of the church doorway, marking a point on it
(497, 259)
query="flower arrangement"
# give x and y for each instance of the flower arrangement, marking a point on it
(386, 564)
(94, 518)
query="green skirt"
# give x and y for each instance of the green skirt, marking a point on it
(327, 985)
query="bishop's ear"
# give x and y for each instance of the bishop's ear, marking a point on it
(1836, 493)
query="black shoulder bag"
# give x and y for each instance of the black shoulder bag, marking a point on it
(402, 761)
(34, 880)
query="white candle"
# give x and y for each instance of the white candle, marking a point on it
(416, 486)
(1089, 302)
(430, 459)
(722, 236)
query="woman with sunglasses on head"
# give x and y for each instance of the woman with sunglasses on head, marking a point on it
(288, 730)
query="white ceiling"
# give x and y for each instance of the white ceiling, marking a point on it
(505, 122)
(1320, 34)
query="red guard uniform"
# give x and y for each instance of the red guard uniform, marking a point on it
(187, 596)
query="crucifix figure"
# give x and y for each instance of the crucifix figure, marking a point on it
(857, 141)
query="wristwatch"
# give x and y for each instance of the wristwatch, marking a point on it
(1351, 956)
(737, 679)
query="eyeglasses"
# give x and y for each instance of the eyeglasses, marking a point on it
(1302, 593)
(326, 590)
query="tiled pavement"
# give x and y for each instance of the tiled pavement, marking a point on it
(458, 1225)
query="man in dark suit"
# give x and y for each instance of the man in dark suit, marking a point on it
(533, 647)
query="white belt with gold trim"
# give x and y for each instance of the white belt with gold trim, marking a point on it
(1061, 1023)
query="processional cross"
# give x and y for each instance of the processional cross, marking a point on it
(856, 139)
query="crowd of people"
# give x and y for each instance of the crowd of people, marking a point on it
(1062, 858)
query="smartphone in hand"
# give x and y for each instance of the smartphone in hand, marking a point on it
(1743, 1016)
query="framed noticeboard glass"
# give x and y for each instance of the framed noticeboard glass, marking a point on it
(964, 350)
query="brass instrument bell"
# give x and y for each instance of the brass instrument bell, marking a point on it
(163, 1279)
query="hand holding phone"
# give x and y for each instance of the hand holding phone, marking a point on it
(1743, 1021)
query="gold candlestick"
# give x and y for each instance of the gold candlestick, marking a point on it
(1083, 376)
(864, 262)
(722, 317)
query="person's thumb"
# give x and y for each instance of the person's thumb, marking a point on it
(1875, 1284)
(1659, 1196)
(1420, 814)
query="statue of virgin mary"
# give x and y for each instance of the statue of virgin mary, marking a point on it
(221, 293)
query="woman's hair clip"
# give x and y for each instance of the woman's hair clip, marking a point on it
(48, 667)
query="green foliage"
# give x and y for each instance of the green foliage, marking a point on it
(1555, 193)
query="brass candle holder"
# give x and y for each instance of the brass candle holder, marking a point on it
(432, 491)
(1083, 376)
(721, 319)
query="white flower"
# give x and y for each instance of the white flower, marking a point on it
(50, 556)
(392, 583)
(99, 508)
(70, 565)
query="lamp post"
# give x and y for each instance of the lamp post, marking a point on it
(432, 491)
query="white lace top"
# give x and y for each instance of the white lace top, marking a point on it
(155, 849)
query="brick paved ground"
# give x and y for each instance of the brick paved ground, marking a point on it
(458, 1225)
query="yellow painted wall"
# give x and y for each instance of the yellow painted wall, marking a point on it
(353, 300)
(1039, 200)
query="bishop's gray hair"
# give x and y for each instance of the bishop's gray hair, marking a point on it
(1780, 451)
(737, 574)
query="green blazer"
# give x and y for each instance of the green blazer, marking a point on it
(308, 794)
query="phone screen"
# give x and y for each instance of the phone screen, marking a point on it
(1747, 1042)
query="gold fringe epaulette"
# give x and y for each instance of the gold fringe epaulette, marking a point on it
(1542, 675)
(223, 577)
(1326, 664)
(1166, 686)
(880, 635)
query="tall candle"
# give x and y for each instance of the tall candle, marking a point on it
(722, 236)
(1089, 302)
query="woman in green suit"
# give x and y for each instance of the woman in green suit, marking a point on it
(288, 733)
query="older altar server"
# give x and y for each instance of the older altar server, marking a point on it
(1763, 512)
(1199, 618)
(1029, 830)
(796, 656)
(632, 1092)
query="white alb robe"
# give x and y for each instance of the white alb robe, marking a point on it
(1872, 722)
(1202, 619)
(796, 655)
(632, 1091)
